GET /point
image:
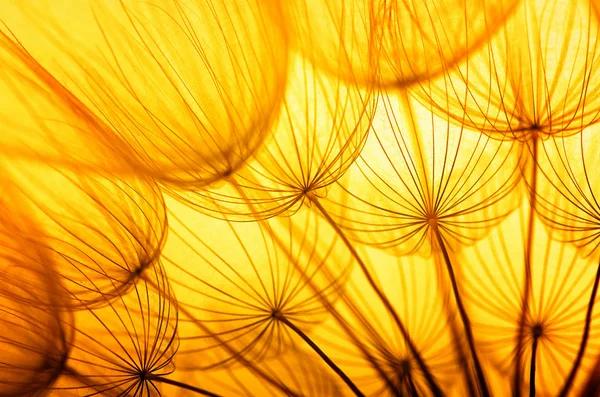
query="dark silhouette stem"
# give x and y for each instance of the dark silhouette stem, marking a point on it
(534, 346)
(349, 332)
(516, 387)
(281, 318)
(183, 386)
(483, 388)
(435, 389)
(411, 386)
(584, 339)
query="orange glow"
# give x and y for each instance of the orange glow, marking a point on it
(299, 198)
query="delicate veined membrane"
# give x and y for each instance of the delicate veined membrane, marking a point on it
(188, 88)
(101, 231)
(413, 286)
(42, 119)
(247, 281)
(567, 199)
(34, 335)
(537, 75)
(395, 43)
(127, 346)
(319, 133)
(492, 277)
(418, 173)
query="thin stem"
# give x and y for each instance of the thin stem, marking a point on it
(534, 346)
(463, 315)
(528, 276)
(411, 386)
(340, 320)
(584, 340)
(435, 389)
(460, 351)
(280, 317)
(182, 385)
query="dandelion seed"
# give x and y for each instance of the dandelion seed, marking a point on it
(492, 284)
(538, 73)
(101, 231)
(428, 187)
(126, 347)
(259, 290)
(380, 359)
(395, 43)
(319, 133)
(188, 88)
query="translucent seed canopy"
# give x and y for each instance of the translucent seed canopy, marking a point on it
(492, 279)
(42, 119)
(419, 173)
(568, 196)
(101, 231)
(189, 88)
(33, 336)
(395, 42)
(318, 134)
(240, 279)
(413, 287)
(121, 348)
(537, 75)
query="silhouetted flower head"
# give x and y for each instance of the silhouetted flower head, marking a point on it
(316, 137)
(101, 231)
(536, 77)
(420, 174)
(492, 277)
(245, 281)
(187, 89)
(127, 346)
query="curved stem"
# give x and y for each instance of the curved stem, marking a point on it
(321, 353)
(516, 386)
(411, 386)
(435, 389)
(182, 385)
(463, 360)
(341, 321)
(463, 316)
(585, 337)
(532, 367)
